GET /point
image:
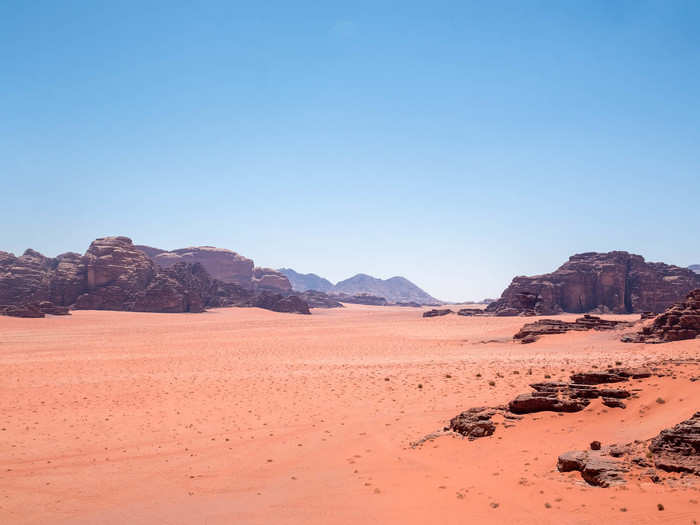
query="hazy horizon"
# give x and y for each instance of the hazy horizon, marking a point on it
(454, 145)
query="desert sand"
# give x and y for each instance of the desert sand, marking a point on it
(249, 416)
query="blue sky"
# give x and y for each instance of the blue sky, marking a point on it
(457, 144)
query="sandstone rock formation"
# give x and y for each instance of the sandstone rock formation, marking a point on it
(269, 279)
(279, 303)
(673, 450)
(597, 468)
(475, 422)
(469, 312)
(222, 264)
(575, 396)
(678, 449)
(116, 275)
(317, 299)
(531, 332)
(437, 313)
(680, 321)
(614, 282)
(34, 310)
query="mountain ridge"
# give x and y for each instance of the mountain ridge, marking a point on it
(395, 289)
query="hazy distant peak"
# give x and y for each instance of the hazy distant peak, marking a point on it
(395, 289)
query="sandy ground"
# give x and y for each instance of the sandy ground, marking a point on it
(250, 416)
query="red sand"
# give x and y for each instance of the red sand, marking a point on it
(250, 416)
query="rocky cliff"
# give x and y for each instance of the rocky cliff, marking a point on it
(116, 275)
(222, 264)
(680, 321)
(614, 282)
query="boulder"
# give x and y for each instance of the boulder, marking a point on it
(595, 468)
(545, 401)
(475, 422)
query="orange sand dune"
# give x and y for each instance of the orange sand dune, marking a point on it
(250, 416)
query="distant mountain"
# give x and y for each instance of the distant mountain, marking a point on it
(695, 268)
(394, 290)
(302, 282)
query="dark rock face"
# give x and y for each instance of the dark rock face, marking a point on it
(614, 282)
(117, 274)
(475, 422)
(532, 331)
(437, 313)
(678, 449)
(680, 321)
(23, 279)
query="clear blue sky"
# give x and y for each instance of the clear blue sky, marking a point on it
(457, 144)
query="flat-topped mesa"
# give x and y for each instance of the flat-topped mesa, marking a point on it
(680, 321)
(614, 282)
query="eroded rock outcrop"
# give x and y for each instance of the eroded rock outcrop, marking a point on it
(680, 321)
(614, 282)
(316, 299)
(116, 275)
(596, 467)
(677, 449)
(279, 303)
(34, 310)
(475, 422)
(224, 265)
(531, 332)
(437, 312)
